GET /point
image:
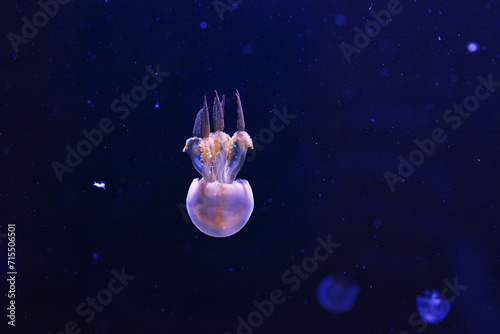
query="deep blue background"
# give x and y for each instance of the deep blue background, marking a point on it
(322, 175)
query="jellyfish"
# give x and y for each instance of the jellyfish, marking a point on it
(336, 295)
(219, 205)
(432, 308)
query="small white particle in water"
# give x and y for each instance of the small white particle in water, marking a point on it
(472, 47)
(100, 185)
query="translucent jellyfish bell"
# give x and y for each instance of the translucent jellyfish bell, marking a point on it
(337, 295)
(219, 205)
(432, 308)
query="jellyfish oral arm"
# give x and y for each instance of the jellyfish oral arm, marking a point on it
(218, 204)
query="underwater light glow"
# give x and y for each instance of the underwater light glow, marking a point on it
(340, 20)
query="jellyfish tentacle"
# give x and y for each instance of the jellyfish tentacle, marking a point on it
(219, 166)
(221, 151)
(193, 149)
(206, 122)
(241, 143)
(192, 146)
(223, 104)
(218, 112)
(214, 112)
(197, 124)
(241, 118)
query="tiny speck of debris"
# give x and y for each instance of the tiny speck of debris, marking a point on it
(100, 185)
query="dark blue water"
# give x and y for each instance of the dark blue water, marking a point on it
(374, 168)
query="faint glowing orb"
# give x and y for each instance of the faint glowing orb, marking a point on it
(340, 20)
(247, 49)
(472, 47)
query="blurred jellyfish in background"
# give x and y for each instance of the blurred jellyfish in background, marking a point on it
(432, 308)
(337, 295)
